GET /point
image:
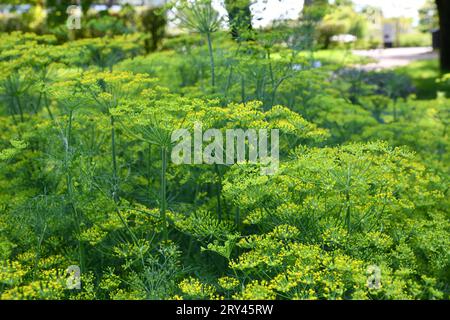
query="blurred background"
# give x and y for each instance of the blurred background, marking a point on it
(368, 24)
(338, 24)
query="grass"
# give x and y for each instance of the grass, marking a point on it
(424, 74)
(340, 57)
(335, 57)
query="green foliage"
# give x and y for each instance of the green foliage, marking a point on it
(417, 39)
(86, 179)
(424, 75)
(154, 22)
(428, 16)
(342, 19)
(198, 16)
(240, 19)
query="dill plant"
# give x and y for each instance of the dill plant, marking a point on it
(81, 182)
(14, 88)
(200, 16)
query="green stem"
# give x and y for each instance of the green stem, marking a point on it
(47, 106)
(14, 117)
(163, 201)
(348, 213)
(70, 189)
(237, 218)
(230, 75)
(219, 191)
(270, 68)
(19, 106)
(149, 168)
(38, 252)
(132, 234)
(115, 187)
(211, 58)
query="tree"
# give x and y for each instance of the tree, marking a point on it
(314, 10)
(443, 7)
(428, 17)
(314, 3)
(342, 19)
(240, 18)
(154, 21)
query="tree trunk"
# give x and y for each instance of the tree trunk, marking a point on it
(443, 7)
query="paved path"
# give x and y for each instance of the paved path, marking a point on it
(395, 57)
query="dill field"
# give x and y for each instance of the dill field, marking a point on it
(352, 202)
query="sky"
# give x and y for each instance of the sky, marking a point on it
(276, 9)
(395, 8)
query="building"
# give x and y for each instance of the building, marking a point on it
(389, 35)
